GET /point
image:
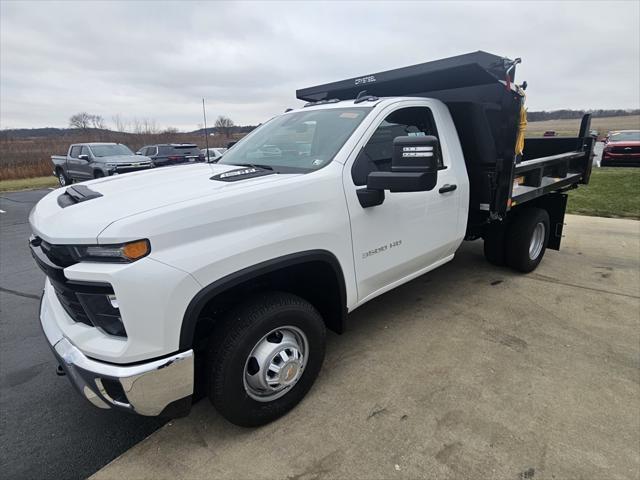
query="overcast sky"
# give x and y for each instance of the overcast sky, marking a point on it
(156, 60)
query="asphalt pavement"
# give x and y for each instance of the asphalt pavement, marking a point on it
(46, 429)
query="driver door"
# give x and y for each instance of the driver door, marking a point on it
(410, 232)
(85, 170)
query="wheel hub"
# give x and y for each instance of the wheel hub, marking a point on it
(275, 364)
(537, 241)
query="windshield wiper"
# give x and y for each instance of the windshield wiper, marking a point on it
(255, 165)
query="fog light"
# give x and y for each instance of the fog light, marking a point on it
(103, 312)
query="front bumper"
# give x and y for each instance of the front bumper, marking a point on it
(162, 386)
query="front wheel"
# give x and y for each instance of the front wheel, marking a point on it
(264, 357)
(527, 239)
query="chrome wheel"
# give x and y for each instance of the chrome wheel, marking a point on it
(537, 241)
(275, 364)
(61, 179)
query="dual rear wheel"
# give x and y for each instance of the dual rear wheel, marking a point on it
(521, 243)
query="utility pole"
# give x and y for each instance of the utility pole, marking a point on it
(206, 134)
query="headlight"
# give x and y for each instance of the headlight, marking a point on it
(121, 252)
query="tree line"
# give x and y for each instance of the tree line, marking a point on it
(570, 114)
(143, 126)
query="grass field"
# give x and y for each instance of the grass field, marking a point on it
(28, 183)
(570, 127)
(612, 192)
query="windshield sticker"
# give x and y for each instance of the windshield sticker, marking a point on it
(349, 115)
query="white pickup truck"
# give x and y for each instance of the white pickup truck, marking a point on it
(225, 276)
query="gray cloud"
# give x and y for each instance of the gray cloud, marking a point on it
(158, 59)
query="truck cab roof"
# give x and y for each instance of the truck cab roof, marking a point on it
(93, 144)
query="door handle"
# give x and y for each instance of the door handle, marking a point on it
(447, 188)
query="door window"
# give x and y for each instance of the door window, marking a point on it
(376, 154)
(85, 150)
(75, 151)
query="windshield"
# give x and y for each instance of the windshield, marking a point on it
(110, 150)
(297, 142)
(633, 136)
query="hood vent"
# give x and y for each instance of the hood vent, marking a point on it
(77, 194)
(242, 174)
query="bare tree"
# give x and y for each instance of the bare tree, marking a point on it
(80, 120)
(170, 130)
(149, 126)
(97, 122)
(136, 126)
(121, 125)
(225, 125)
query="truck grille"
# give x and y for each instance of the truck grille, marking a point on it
(58, 254)
(126, 168)
(625, 150)
(69, 301)
(52, 260)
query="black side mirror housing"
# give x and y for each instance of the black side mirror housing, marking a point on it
(414, 166)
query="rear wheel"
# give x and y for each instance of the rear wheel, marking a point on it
(527, 239)
(264, 358)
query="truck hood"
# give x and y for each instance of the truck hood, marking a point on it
(130, 194)
(624, 143)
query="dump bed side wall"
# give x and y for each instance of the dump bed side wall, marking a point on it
(548, 146)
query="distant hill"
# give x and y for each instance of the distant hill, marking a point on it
(235, 129)
(51, 132)
(571, 114)
(36, 132)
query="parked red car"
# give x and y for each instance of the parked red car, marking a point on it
(621, 149)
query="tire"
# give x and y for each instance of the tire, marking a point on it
(494, 245)
(98, 174)
(260, 329)
(63, 180)
(527, 239)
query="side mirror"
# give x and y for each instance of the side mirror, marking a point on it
(138, 153)
(414, 166)
(83, 157)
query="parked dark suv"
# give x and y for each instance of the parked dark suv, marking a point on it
(171, 154)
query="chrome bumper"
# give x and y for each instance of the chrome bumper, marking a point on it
(162, 386)
(147, 389)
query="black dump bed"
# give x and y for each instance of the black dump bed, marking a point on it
(479, 90)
